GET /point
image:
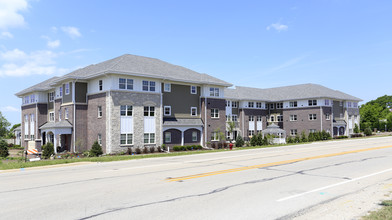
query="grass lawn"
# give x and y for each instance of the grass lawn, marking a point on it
(384, 213)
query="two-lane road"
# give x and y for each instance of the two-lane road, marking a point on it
(272, 183)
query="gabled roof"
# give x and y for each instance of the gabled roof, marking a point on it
(296, 92)
(146, 67)
(60, 124)
(40, 87)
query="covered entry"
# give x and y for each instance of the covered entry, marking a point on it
(182, 131)
(58, 133)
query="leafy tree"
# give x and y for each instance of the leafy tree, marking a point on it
(239, 142)
(96, 150)
(230, 126)
(253, 140)
(356, 129)
(303, 137)
(3, 148)
(4, 124)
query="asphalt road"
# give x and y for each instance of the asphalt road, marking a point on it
(273, 183)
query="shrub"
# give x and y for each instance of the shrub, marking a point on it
(220, 145)
(11, 145)
(159, 149)
(303, 137)
(297, 139)
(213, 145)
(96, 150)
(129, 151)
(138, 151)
(356, 129)
(239, 142)
(253, 140)
(198, 147)
(47, 150)
(182, 148)
(164, 147)
(152, 149)
(176, 148)
(368, 132)
(86, 153)
(289, 140)
(3, 149)
(341, 137)
(189, 147)
(145, 150)
(356, 135)
(311, 137)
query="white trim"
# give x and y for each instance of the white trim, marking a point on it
(169, 87)
(164, 110)
(195, 90)
(195, 111)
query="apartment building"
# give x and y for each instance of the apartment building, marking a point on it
(306, 107)
(135, 101)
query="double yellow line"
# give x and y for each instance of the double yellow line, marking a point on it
(270, 164)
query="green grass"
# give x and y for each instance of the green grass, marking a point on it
(384, 213)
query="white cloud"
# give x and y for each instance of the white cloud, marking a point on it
(9, 109)
(5, 35)
(19, 63)
(73, 32)
(278, 26)
(53, 44)
(10, 13)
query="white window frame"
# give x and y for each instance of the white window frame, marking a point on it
(150, 110)
(312, 117)
(279, 105)
(168, 138)
(194, 136)
(258, 105)
(214, 136)
(312, 130)
(259, 118)
(272, 118)
(293, 104)
(312, 102)
(26, 100)
(60, 114)
(164, 110)
(228, 103)
(51, 96)
(271, 106)
(279, 118)
(126, 110)
(327, 102)
(32, 98)
(214, 113)
(193, 109)
(293, 132)
(234, 104)
(66, 113)
(150, 138)
(100, 114)
(166, 87)
(149, 87)
(100, 85)
(234, 118)
(99, 139)
(214, 92)
(193, 90)
(251, 133)
(251, 118)
(327, 117)
(67, 89)
(128, 139)
(251, 105)
(293, 117)
(51, 116)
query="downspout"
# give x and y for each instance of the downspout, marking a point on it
(321, 118)
(205, 117)
(74, 114)
(161, 123)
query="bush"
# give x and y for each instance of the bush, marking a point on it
(164, 147)
(341, 137)
(356, 135)
(145, 150)
(138, 151)
(297, 139)
(176, 148)
(47, 150)
(189, 147)
(96, 150)
(152, 149)
(159, 149)
(303, 137)
(289, 140)
(129, 151)
(11, 145)
(3, 149)
(239, 142)
(356, 129)
(368, 132)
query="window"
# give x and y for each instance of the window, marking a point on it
(126, 110)
(272, 118)
(61, 91)
(32, 117)
(100, 85)
(67, 89)
(100, 139)
(167, 110)
(259, 118)
(341, 103)
(99, 111)
(194, 136)
(234, 118)
(125, 84)
(167, 87)
(167, 137)
(214, 113)
(234, 104)
(214, 92)
(227, 103)
(66, 113)
(32, 137)
(312, 117)
(327, 116)
(251, 118)
(60, 115)
(193, 111)
(293, 132)
(271, 106)
(258, 104)
(312, 130)
(194, 90)
(293, 117)
(126, 139)
(250, 104)
(355, 104)
(149, 111)
(327, 102)
(51, 116)
(26, 118)
(312, 102)
(51, 96)
(148, 86)
(348, 104)
(279, 105)
(214, 136)
(149, 138)
(279, 118)
(26, 100)
(293, 104)
(32, 98)
(251, 132)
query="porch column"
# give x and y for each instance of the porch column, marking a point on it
(55, 142)
(201, 137)
(182, 138)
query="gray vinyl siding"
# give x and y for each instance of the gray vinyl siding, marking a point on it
(337, 109)
(80, 92)
(50, 104)
(181, 100)
(67, 98)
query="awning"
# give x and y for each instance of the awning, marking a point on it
(61, 127)
(173, 122)
(339, 123)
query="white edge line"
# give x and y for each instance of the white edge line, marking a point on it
(333, 185)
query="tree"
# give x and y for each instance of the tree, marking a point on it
(4, 124)
(356, 129)
(239, 142)
(3, 148)
(230, 127)
(47, 150)
(303, 137)
(368, 132)
(96, 150)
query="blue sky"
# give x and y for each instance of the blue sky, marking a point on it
(344, 45)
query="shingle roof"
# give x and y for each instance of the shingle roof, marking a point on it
(296, 92)
(144, 66)
(182, 122)
(42, 86)
(60, 124)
